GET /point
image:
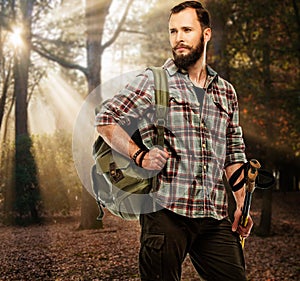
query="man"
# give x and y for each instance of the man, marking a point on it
(202, 139)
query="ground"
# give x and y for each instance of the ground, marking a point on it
(56, 250)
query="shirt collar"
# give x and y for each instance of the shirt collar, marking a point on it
(170, 66)
(172, 69)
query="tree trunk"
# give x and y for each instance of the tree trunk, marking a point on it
(21, 67)
(264, 228)
(4, 95)
(26, 185)
(5, 72)
(96, 12)
(266, 213)
(221, 11)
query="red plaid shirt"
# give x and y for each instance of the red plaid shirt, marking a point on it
(201, 143)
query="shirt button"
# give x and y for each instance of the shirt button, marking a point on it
(204, 145)
(204, 168)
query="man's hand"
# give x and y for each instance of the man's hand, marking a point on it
(155, 159)
(237, 227)
(239, 199)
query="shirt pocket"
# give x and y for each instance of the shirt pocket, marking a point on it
(217, 113)
(183, 124)
(216, 118)
(221, 102)
(183, 113)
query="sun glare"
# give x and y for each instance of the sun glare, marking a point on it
(58, 109)
(16, 37)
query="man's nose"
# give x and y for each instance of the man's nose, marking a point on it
(179, 37)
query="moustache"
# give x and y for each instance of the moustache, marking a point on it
(180, 45)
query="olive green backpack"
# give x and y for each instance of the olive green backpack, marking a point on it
(119, 185)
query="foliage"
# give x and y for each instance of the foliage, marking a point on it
(14, 41)
(263, 57)
(156, 47)
(27, 196)
(255, 45)
(59, 185)
(56, 189)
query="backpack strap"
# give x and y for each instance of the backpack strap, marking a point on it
(162, 104)
(161, 101)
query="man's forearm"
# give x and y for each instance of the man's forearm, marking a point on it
(240, 194)
(118, 139)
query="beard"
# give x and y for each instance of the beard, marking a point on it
(185, 61)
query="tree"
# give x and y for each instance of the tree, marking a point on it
(266, 213)
(15, 68)
(6, 58)
(258, 63)
(259, 66)
(26, 185)
(20, 77)
(95, 16)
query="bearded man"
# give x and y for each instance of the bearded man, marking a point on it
(203, 140)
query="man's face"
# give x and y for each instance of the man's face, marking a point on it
(186, 38)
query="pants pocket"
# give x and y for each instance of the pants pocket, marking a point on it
(151, 256)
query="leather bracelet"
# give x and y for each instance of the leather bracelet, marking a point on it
(136, 155)
(238, 186)
(234, 177)
(142, 158)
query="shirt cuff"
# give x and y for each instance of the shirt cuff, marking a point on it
(235, 158)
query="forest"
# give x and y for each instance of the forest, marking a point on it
(59, 59)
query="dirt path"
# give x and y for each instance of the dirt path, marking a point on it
(57, 251)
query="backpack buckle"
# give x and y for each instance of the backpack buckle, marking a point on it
(161, 122)
(115, 173)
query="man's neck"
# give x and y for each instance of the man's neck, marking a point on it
(198, 73)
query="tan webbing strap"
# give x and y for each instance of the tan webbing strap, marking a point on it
(162, 104)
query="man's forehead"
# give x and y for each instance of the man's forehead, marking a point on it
(186, 17)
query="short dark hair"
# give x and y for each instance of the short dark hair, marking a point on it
(202, 13)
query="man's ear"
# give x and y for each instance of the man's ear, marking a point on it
(207, 34)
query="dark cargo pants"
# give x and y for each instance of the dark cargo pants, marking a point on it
(166, 239)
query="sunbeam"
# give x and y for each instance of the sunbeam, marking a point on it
(59, 108)
(40, 117)
(65, 11)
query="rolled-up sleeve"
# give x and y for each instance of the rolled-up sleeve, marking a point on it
(130, 102)
(235, 150)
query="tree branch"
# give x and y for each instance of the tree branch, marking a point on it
(133, 31)
(46, 54)
(119, 28)
(57, 42)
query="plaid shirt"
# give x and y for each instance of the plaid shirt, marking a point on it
(200, 144)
